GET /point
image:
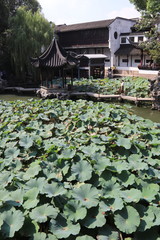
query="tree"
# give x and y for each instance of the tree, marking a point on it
(28, 33)
(150, 19)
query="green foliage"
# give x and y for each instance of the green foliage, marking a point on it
(134, 86)
(150, 10)
(28, 33)
(77, 171)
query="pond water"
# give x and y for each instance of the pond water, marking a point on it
(144, 112)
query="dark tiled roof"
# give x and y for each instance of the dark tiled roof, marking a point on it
(83, 26)
(127, 49)
(132, 33)
(54, 57)
(88, 25)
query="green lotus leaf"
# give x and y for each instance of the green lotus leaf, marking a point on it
(124, 142)
(82, 170)
(62, 228)
(12, 153)
(41, 213)
(156, 211)
(132, 195)
(39, 236)
(155, 150)
(74, 211)
(36, 183)
(95, 218)
(30, 198)
(67, 153)
(111, 204)
(127, 220)
(32, 171)
(108, 233)
(126, 178)
(101, 162)
(149, 191)
(26, 141)
(87, 195)
(147, 217)
(44, 133)
(5, 178)
(111, 189)
(85, 237)
(120, 166)
(15, 198)
(54, 189)
(4, 195)
(12, 222)
(88, 150)
(51, 237)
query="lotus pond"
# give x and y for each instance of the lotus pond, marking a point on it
(143, 111)
(77, 171)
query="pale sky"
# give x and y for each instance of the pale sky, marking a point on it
(79, 11)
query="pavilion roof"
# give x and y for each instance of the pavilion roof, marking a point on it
(54, 57)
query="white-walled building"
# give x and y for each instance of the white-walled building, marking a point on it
(105, 44)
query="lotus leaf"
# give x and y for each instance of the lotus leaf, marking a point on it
(41, 213)
(62, 228)
(30, 198)
(82, 170)
(111, 204)
(132, 195)
(32, 171)
(12, 153)
(95, 218)
(39, 236)
(108, 233)
(74, 211)
(36, 183)
(53, 190)
(85, 237)
(124, 142)
(149, 191)
(111, 189)
(67, 154)
(87, 195)
(26, 141)
(12, 222)
(147, 217)
(15, 198)
(69, 168)
(126, 178)
(127, 220)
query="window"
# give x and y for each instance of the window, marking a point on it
(115, 35)
(107, 60)
(123, 40)
(125, 60)
(131, 39)
(140, 39)
(137, 60)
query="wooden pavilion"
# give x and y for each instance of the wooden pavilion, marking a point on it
(55, 63)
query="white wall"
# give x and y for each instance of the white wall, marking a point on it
(119, 25)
